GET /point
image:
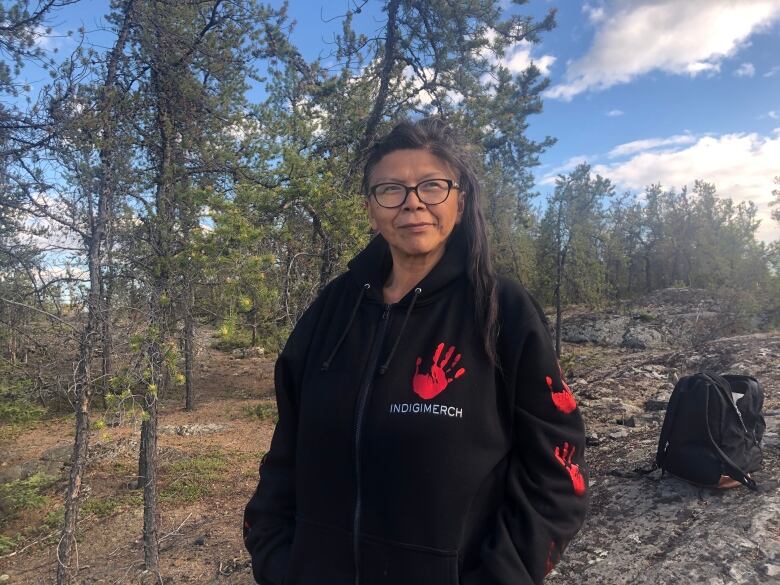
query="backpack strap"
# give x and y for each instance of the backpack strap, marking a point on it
(668, 425)
(732, 469)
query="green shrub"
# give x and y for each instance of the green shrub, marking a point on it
(644, 316)
(264, 411)
(24, 494)
(19, 412)
(53, 519)
(231, 335)
(9, 543)
(15, 406)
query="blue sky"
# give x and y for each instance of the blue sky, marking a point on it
(645, 91)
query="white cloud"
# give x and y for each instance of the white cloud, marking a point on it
(773, 114)
(52, 40)
(742, 166)
(635, 146)
(745, 70)
(681, 38)
(773, 71)
(550, 177)
(424, 97)
(615, 113)
(518, 58)
(595, 14)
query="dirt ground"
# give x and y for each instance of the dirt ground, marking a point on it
(207, 477)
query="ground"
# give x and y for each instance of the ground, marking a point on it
(640, 528)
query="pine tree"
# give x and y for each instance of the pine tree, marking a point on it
(571, 251)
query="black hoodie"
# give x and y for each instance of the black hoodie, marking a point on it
(401, 455)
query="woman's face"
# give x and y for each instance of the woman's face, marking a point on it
(415, 229)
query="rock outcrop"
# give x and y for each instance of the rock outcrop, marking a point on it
(646, 529)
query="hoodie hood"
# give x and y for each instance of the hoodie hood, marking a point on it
(372, 266)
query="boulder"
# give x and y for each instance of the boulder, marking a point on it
(642, 337)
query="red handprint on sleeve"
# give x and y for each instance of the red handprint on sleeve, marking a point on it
(552, 559)
(564, 456)
(426, 386)
(564, 399)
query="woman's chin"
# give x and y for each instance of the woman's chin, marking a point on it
(417, 250)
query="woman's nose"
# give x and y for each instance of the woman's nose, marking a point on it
(413, 201)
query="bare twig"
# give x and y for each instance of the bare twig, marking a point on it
(175, 531)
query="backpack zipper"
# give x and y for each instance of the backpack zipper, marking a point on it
(362, 401)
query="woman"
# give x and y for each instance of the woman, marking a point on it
(425, 433)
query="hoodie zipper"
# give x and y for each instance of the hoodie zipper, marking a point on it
(365, 390)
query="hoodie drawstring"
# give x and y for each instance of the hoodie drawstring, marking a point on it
(326, 363)
(386, 365)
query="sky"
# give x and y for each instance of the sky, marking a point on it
(645, 91)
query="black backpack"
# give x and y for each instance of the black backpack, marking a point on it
(713, 427)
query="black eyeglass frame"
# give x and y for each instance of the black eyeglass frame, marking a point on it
(450, 185)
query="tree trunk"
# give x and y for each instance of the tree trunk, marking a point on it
(160, 304)
(108, 346)
(149, 456)
(141, 459)
(77, 464)
(95, 314)
(378, 107)
(189, 357)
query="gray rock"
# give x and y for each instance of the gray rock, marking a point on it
(10, 472)
(658, 402)
(601, 329)
(618, 434)
(642, 337)
(648, 419)
(664, 530)
(60, 453)
(40, 466)
(192, 430)
(247, 352)
(254, 352)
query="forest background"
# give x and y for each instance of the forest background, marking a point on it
(146, 193)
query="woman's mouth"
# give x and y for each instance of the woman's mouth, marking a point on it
(416, 227)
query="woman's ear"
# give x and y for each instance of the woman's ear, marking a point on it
(461, 205)
(370, 212)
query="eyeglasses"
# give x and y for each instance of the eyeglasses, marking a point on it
(430, 192)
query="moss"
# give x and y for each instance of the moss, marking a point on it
(192, 478)
(110, 505)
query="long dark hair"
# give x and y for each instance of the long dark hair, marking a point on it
(441, 140)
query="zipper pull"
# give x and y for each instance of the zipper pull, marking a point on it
(386, 314)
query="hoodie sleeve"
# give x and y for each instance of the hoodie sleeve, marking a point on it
(546, 480)
(269, 517)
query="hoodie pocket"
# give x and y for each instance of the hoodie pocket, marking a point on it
(320, 554)
(386, 562)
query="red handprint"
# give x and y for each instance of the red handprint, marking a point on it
(564, 457)
(564, 399)
(552, 559)
(426, 386)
